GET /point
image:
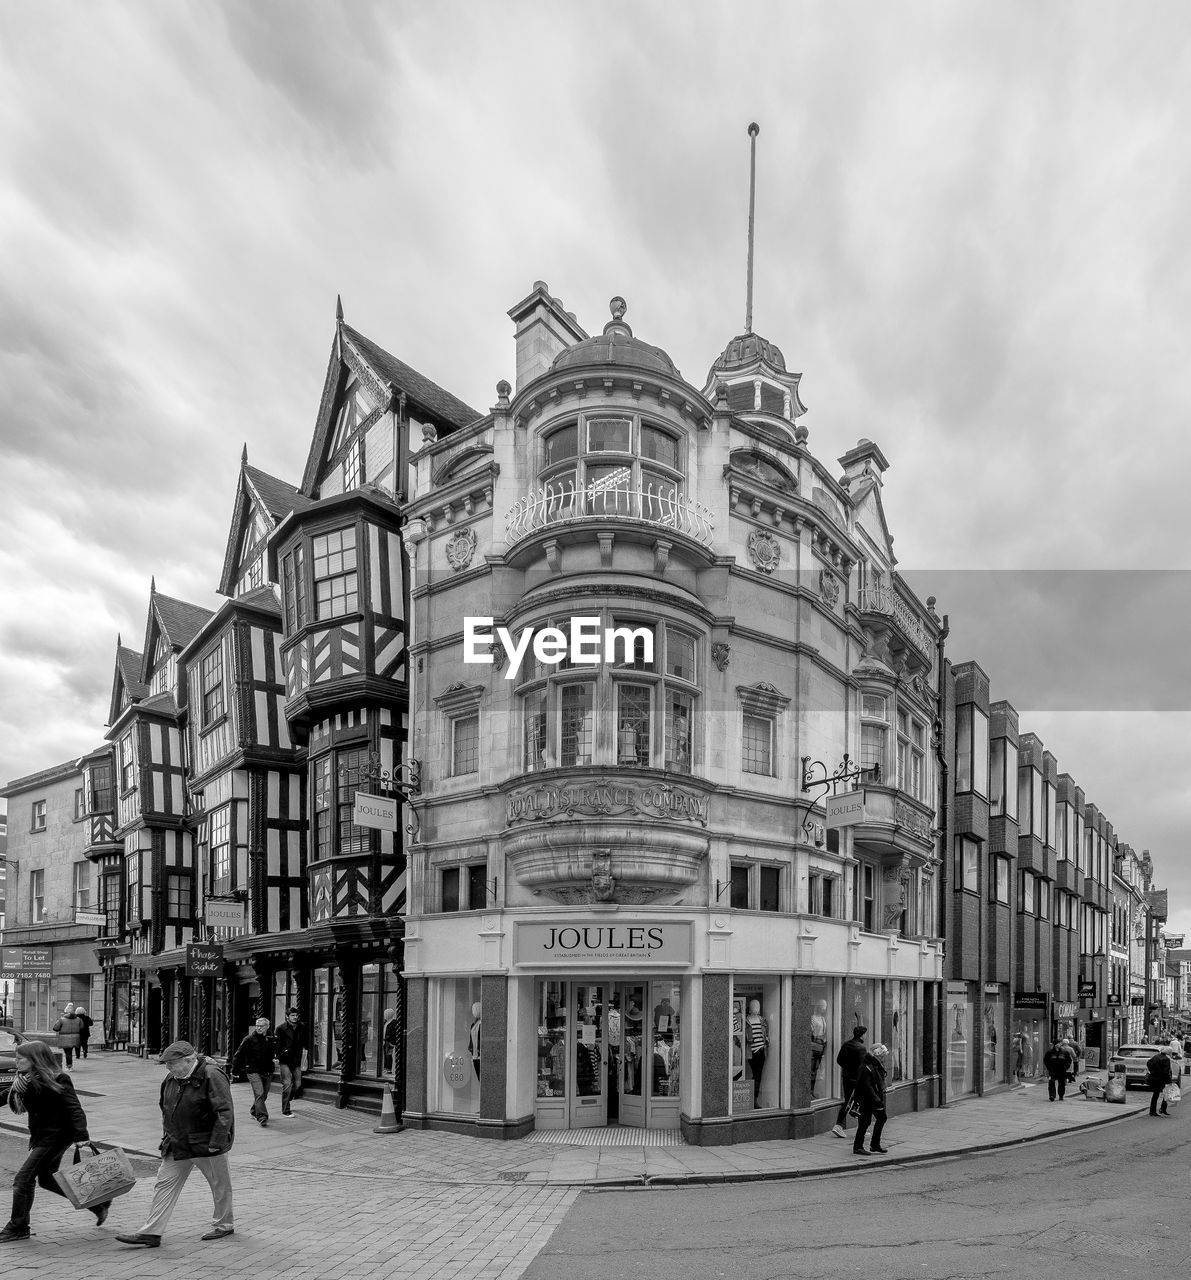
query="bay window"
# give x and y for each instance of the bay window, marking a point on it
(338, 775)
(639, 712)
(335, 578)
(971, 749)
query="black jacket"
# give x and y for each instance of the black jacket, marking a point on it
(197, 1117)
(870, 1084)
(1057, 1062)
(255, 1055)
(290, 1042)
(850, 1059)
(54, 1118)
(1159, 1069)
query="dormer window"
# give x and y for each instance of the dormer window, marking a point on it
(612, 465)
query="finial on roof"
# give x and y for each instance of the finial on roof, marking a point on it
(339, 308)
(153, 585)
(754, 129)
(119, 642)
(618, 324)
(244, 455)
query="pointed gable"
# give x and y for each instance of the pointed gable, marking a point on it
(127, 686)
(364, 379)
(262, 502)
(170, 626)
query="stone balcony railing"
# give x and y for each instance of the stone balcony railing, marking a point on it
(885, 601)
(564, 503)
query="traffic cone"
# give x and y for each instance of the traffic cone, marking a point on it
(388, 1115)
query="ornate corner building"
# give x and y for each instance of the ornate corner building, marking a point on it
(649, 630)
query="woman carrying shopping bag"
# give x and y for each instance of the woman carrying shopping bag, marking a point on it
(45, 1093)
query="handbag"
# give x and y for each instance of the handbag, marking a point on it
(97, 1178)
(1172, 1095)
(853, 1106)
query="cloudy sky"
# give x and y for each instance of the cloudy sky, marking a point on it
(971, 240)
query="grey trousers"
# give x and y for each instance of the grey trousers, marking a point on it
(171, 1178)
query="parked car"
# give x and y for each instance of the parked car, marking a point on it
(1130, 1060)
(9, 1040)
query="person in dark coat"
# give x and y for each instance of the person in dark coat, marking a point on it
(70, 1031)
(1161, 1075)
(86, 1022)
(870, 1093)
(290, 1040)
(1057, 1065)
(198, 1128)
(849, 1060)
(255, 1056)
(43, 1092)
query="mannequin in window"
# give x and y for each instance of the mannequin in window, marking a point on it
(818, 1040)
(473, 1040)
(627, 744)
(756, 1042)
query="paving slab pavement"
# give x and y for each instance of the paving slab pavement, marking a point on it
(322, 1195)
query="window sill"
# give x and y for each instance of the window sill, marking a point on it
(210, 725)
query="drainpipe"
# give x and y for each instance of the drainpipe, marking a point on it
(944, 862)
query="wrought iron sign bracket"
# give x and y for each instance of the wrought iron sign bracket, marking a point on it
(405, 781)
(846, 772)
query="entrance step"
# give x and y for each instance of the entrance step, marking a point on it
(613, 1136)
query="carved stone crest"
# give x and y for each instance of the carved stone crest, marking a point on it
(828, 587)
(764, 550)
(719, 655)
(461, 546)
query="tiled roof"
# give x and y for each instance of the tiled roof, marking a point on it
(129, 662)
(41, 778)
(279, 496)
(417, 387)
(180, 621)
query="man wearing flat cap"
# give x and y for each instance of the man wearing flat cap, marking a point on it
(198, 1125)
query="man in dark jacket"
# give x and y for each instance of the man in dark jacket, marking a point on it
(290, 1038)
(849, 1060)
(255, 1056)
(198, 1124)
(1057, 1065)
(1160, 1076)
(870, 1092)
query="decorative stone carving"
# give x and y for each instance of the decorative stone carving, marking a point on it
(764, 550)
(720, 654)
(828, 587)
(461, 546)
(603, 882)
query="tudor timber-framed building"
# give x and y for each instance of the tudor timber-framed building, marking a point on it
(617, 861)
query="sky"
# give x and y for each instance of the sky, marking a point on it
(967, 240)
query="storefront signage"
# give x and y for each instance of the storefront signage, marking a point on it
(457, 1070)
(606, 798)
(1064, 1009)
(603, 942)
(846, 810)
(223, 915)
(93, 919)
(377, 812)
(957, 988)
(1137, 1000)
(992, 989)
(1114, 1000)
(1087, 987)
(204, 960)
(1030, 999)
(25, 962)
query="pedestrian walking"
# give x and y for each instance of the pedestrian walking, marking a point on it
(70, 1031)
(290, 1038)
(849, 1060)
(870, 1092)
(255, 1056)
(45, 1093)
(1072, 1057)
(198, 1128)
(1056, 1062)
(86, 1022)
(1161, 1074)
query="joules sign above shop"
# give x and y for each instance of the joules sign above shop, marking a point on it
(587, 942)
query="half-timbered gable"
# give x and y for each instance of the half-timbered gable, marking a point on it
(261, 502)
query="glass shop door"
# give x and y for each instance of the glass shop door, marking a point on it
(589, 1095)
(634, 1052)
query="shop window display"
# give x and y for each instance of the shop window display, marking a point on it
(755, 1039)
(824, 1044)
(459, 1046)
(959, 1035)
(667, 1039)
(995, 1067)
(901, 1038)
(552, 1040)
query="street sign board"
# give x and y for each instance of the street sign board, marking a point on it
(204, 959)
(223, 915)
(845, 810)
(93, 919)
(377, 812)
(25, 962)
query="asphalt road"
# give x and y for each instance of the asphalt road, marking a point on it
(1110, 1202)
